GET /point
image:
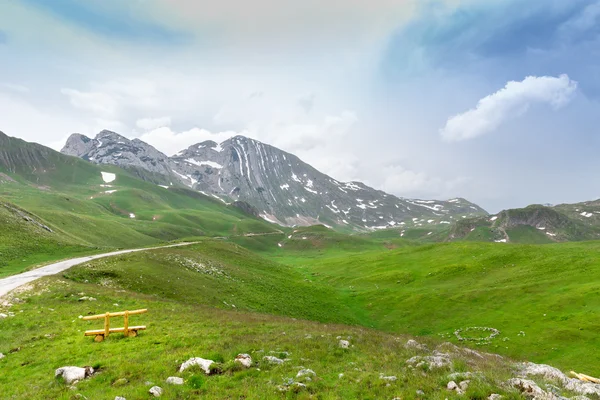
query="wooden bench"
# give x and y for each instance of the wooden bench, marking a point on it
(101, 334)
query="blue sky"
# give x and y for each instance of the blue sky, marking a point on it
(495, 101)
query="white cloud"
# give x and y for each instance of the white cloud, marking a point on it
(408, 183)
(15, 87)
(99, 103)
(509, 102)
(153, 123)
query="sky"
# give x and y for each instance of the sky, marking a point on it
(496, 101)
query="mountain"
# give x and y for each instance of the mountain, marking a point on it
(533, 224)
(282, 187)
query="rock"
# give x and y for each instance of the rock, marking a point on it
(554, 374)
(529, 388)
(87, 298)
(155, 391)
(340, 376)
(438, 360)
(420, 393)
(273, 360)
(305, 372)
(494, 396)
(244, 359)
(2, 356)
(201, 362)
(413, 344)
(120, 398)
(2, 316)
(174, 380)
(73, 374)
(464, 385)
(451, 385)
(390, 378)
(344, 344)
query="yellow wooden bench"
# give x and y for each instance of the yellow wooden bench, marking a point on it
(101, 334)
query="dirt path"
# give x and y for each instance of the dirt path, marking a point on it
(12, 282)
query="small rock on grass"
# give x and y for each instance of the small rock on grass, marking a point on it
(273, 360)
(155, 391)
(305, 372)
(201, 362)
(120, 398)
(344, 344)
(2, 356)
(244, 359)
(73, 374)
(174, 380)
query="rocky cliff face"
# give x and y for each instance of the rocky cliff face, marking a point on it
(282, 187)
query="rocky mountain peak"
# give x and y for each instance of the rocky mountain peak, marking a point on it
(283, 188)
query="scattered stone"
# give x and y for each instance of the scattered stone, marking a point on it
(2, 356)
(344, 344)
(340, 376)
(174, 380)
(155, 391)
(420, 393)
(2, 316)
(244, 359)
(390, 378)
(451, 385)
(306, 372)
(273, 360)
(529, 388)
(201, 362)
(73, 374)
(554, 374)
(120, 398)
(413, 344)
(464, 385)
(495, 396)
(87, 298)
(437, 360)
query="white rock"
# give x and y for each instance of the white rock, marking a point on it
(438, 360)
(73, 374)
(155, 391)
(175, 380)
(2, 356)
(2, 315)
(529, 388)
(451, 385)
(244, 359)
(495, 396)
(390, 378)
(464, 385)
(201, 362)
(273, 360)
(413, 344)
(344, 344)
(551, 373)
(120, 398)
(305, 372)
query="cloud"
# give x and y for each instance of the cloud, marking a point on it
(153, 123)
(509, 102)
(15, 87)
(97, 102)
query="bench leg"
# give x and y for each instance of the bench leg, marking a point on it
(99, 338)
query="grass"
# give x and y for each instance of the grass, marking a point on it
(550, 293)
(178, 329)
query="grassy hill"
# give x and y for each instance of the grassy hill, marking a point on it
(199, 300)
(85, 213)
(545, 300)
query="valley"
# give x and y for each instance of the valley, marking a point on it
(249, 286)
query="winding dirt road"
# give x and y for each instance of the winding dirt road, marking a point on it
(12, 282)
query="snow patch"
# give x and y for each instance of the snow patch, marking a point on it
(285, 186)
(108, 177)
(495, 217)
(208, 163)
(586, 214)
(131, 215)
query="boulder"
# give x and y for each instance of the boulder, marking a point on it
(244, 359)
(200, 362)
(273, 360)
(554, 374)
(174, 380)
(413, 344)
(306, 372)
(73, 374)
(155, 391)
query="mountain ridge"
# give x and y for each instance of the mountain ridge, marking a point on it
(284, 189)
